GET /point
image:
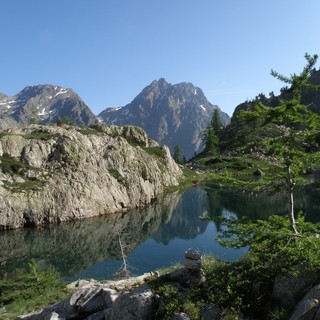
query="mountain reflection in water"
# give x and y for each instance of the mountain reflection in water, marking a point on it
(155, 237)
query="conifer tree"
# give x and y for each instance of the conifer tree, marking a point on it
(298, 124)
(177, 156)
(212, 133)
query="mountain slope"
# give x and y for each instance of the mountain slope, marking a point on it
(170, 114)
(43, 104)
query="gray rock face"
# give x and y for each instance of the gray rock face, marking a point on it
(135, 304)
(170, 114)
(309, 307)
(43, 104)
(291, 289)
(54, 174)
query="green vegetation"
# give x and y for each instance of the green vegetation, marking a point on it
(65, 120)
(116, 174)
(299, 128)
(13, 166)
(25, 186)
(156, 151)
(279, 139)
(212, 135)
(245, 286)
(90, 131)
(40, 134)
(177, 155)
(31, 291)
(277, 143)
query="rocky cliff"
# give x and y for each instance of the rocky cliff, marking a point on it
(52, 174)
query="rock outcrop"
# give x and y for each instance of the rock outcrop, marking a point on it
(128, 299)
(52, 174)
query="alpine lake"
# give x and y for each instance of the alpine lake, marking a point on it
(152, 238)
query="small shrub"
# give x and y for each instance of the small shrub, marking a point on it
(41, 135)
(116, 174)
(89, 131)
(12, 166)
(157, 151)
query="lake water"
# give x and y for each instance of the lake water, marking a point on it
(154, 237)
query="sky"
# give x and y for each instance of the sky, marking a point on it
(107, 51)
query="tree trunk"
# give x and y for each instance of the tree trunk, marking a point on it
(291, 201)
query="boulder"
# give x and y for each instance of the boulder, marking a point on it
(289, 290)
(133, 305)
(309, 307)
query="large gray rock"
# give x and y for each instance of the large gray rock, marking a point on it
(72, 174)
(93, 301)
(133, 305)
(309, 307)
(290, 289)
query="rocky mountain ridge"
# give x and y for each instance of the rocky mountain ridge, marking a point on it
(171, 114)
(44, 104)
(51, 174)
(309, 97)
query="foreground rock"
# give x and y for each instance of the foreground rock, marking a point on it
(125, 299)
(142, 297)
(52, 174)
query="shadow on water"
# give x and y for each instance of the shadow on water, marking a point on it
(155, 236)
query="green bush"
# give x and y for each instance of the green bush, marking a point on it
(274, 250)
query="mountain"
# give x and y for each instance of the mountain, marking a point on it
(43, 104)
(170, 114)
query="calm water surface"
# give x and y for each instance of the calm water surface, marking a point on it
(154, 237)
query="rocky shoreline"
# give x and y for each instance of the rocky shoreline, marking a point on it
(136, 298)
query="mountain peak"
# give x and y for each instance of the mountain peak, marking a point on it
(171, 114)
(44, 103)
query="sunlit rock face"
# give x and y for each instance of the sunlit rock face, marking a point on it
(53, 174)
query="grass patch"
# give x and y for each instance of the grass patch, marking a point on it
(95, 130)
(40, 135)
(3, 134)
(241, 165)
(155, 151)
(26, 186)
(13, 166)
(29, 292)
(116, 174)
(169, 269)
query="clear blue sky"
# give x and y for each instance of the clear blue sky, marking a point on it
(109, 50)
